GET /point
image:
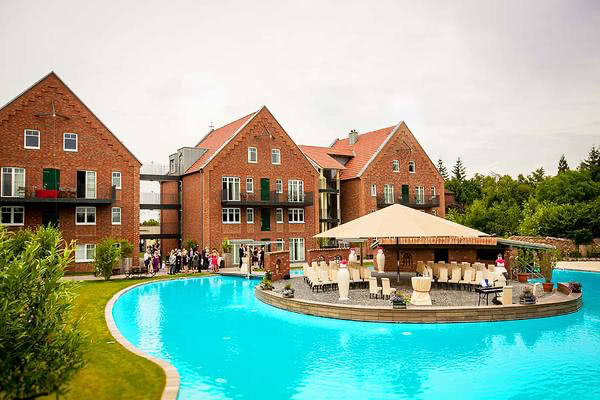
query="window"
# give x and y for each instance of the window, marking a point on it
(231, 188)
(85, 216)
(231, 215)
(13, 182)
(70, 142)
(296, 249)
(279, 215)
(420, 194)
(14, 216)
(396, 166)
(116, 215)
(296, 215)
(373, 190)
(278, 186)
(434, 212)
(172, 165)
(432, 192)
(249, 185)
(388, 194)
(278, 244)
(85, 252)
(32, 139)
(252, 155)
(295, 191)
(250, 215)
(411, 167)
(275, 156)
(116, 179)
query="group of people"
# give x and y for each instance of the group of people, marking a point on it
(194, 260)
(256, 256)
(152, 258)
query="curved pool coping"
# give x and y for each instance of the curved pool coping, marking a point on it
(553, 305)
(171, 389)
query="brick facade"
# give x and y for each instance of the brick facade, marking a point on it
(97, 150)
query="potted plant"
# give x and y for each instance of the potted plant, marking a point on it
(227, 256)
(575, 287)
(547, 263)
(399, 300)
(527, 297)
(525, 261)
(267, 283)
(288, 291)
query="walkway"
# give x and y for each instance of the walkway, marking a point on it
(589, 266)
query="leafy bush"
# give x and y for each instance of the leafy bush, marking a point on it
(575, 287)
(107, 257)
(126, 248)
(41, 348)
(226, 246)
(190, 243)
(547, 263)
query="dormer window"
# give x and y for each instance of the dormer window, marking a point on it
(252, 155)
(411, 167)
(395, 166)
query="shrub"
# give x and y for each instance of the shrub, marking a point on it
(226, 246)
(41, 347)
(107, 257)
(190, 243)
(126, 248)
(575, 287)
(547, 263)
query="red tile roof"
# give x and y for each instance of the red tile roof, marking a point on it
(365, 147)
(321, 157)
(215, 139)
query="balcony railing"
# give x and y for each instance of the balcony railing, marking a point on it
(265, 199)
(413, 201)
(169, 230)
(104, 195)
(327, 186)
(159, 198)
(154, 169)
(328, 216)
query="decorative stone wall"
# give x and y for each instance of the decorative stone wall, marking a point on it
(326, 254)
(278, 263)
(557, 304)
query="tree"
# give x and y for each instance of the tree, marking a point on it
(536, 177)
(190, 244)
(563, 166)
(107, 257)
(568, 187)
(151, 222)
(442, 169)
(458, 171)
(592, 164)
(41, 347)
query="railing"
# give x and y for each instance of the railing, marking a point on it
(154, 169)
(159, 198)
(32, 194)
(328, 216)
(265, 199)
(414, 201)
(327, 185)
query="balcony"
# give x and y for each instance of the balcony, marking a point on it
(157, 172)
(264, 199)
(413, 202)
(328, 216)
(327, 186)
(159, 201)
(104, 196)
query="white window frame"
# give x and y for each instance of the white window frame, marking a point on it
(13, 179)
(373, 190)
(74, 136)
(112, 215)
(388, 194)
(278, 153)
(250, 185)
(252, 150)
(395, 166)
(87, 184)
(295, 215)
(250, 215)
(295, 191)
(278, 186)
(234, 182)
(294, 242)
(13, 211)
(279, 244)
(231, 215)
(39, 138)
(433, 192)
(414, 167)
(434, 212)
(87, 249)
(420, 194)
(87, 212)
(279, 215)
(120, 179)
(172, 166)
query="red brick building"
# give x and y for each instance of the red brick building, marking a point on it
(245, 180)
(60, 164)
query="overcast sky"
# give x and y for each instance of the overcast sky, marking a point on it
(508, 86)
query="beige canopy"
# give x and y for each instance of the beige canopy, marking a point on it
(397, 221)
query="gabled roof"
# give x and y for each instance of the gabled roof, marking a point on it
(365, 150)
(321, 157)
(216, 139)
(53, 74)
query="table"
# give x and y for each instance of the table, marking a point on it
(421, 287)
(485, 291)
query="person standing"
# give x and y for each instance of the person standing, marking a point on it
(177, 261)
(147, 257)
(241, 255)
(155, 262)
(261, 258)
(172, 261)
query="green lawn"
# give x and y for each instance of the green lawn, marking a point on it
(111, 371)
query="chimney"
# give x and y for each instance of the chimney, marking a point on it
(353, 137)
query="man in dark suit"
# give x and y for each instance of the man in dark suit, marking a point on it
(241, 254)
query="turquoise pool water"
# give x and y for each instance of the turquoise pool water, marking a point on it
(228, 345)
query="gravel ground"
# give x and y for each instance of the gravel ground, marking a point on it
(439, 296)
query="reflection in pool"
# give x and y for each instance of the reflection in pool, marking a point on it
(226, 344)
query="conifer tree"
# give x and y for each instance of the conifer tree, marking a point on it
(442, 169)
(458, 171)
(563, 166)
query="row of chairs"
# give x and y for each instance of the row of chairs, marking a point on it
(385, 290)
(460, 276)
(325, 278)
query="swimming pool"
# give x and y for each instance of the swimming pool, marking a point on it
(228, 345)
